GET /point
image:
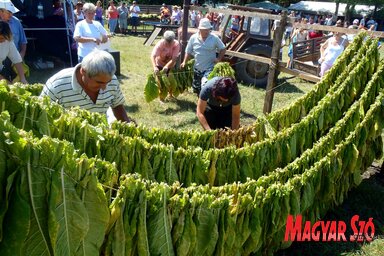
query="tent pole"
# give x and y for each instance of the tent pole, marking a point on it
(67, 27)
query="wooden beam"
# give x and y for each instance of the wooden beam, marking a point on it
(273, 67)
(299, 74)
(379, 34)
(281, 67)
(248, 56)
(253, 12)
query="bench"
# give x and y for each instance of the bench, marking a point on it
(150, 9)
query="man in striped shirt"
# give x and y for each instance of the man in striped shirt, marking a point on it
(90, 85)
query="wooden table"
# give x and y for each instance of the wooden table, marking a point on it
(158, 28)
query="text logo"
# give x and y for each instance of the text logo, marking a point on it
(326, 231)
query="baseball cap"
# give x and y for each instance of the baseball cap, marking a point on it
(8, 5)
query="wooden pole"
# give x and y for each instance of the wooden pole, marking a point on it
(273, 67)
(184, 33)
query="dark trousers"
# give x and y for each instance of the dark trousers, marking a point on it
(218, 117)
(197, 77)
(7, 71)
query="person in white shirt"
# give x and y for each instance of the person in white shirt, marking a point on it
(8, 49)
(330, 50)
(134, 10)
(89, 34)
(79, 14)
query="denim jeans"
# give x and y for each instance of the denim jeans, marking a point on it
(199, 79)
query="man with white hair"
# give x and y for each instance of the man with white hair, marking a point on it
(207, 49)
(164, 54)
(91, 84)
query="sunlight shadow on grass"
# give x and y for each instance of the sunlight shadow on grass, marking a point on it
(287, 87)
(184, 123)
(178, 105)
(132, 108)
(122, 77)
(247, 115)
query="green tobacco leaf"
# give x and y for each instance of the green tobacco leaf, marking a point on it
(96, 205)
(70, 215)
(207, 233)
(38, 241)
(5, 186)
(17, 219)
(160, 240)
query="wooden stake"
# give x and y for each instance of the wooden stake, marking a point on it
(273, 67)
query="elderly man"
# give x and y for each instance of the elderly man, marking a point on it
(91, 85)
(164, 54)
(203, 46)
(7, 9)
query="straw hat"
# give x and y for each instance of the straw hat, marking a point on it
(205, 23)
(8, 5)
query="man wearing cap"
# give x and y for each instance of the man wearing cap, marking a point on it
(164, 14)
(134, 10)
(355, 25)
(7, 9)
(164, 54)
(203, 47)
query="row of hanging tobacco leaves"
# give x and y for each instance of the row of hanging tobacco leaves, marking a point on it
(64, 203)
(166, 163)
(264, 127)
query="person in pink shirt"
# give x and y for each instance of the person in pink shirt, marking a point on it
(112, 15)
(165, 53)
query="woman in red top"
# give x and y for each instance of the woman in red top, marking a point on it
(314, 34)
(112, 15)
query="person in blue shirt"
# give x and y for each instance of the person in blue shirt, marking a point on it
(207, 49)
(7, 9)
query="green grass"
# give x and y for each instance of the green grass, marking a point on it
(180, 113)
(366, 200)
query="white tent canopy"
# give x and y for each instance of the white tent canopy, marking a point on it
(328, 8)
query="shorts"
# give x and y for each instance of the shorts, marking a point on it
(135, 21)
(123, 23)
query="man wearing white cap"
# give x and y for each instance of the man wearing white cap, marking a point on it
(7, 9)
(203, 46)
(355, 25)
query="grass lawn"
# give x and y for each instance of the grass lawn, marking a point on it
(366, 200)
(180, 113)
